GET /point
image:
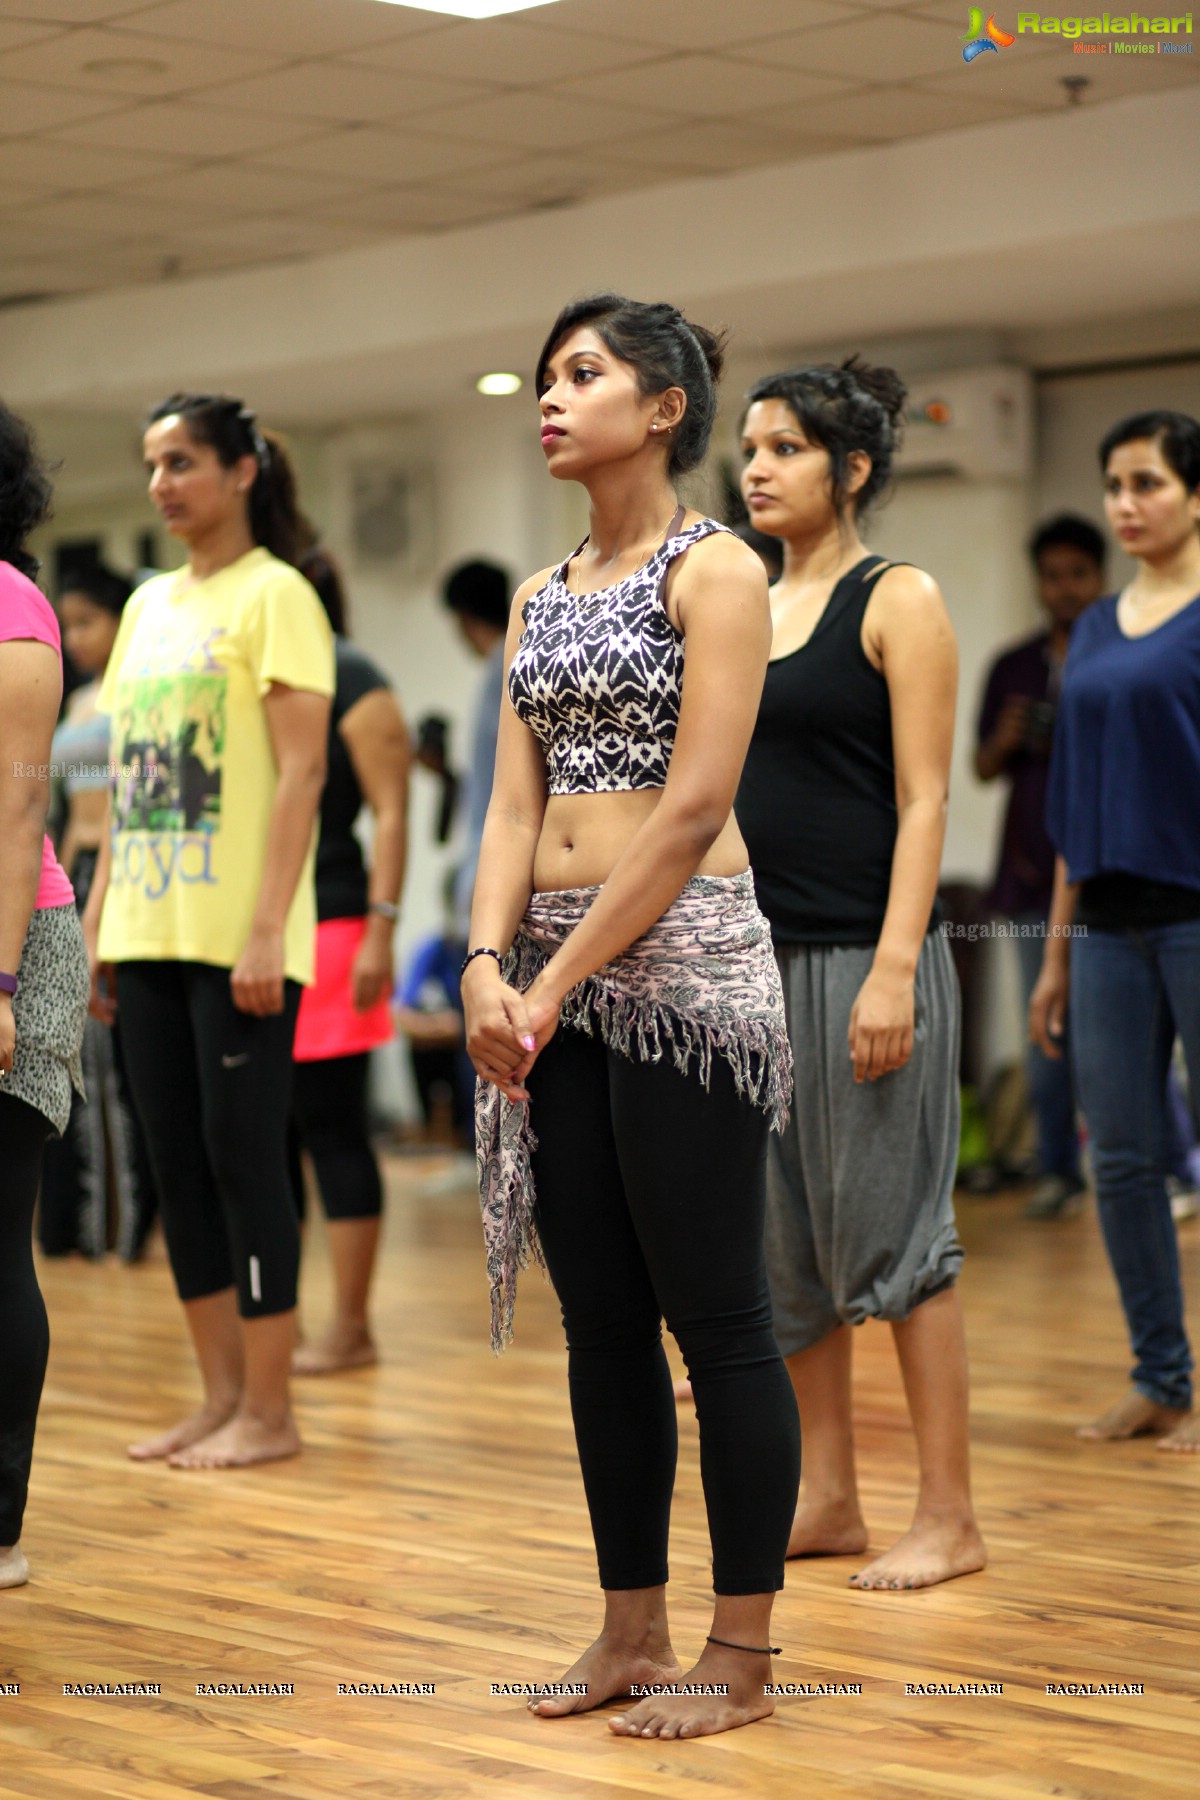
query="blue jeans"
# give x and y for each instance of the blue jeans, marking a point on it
(1051, 1086)
(1132, 993)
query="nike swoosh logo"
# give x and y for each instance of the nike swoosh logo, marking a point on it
(235, 1062)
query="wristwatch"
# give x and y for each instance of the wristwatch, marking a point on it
(8, 984)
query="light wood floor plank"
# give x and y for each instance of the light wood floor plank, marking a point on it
(434, 1531)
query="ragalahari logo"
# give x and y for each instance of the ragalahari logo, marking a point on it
(980, 37)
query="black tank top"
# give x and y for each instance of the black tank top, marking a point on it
(817, 801)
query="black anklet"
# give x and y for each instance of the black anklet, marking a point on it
(749, 1648)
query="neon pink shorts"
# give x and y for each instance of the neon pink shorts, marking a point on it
(329, 1025)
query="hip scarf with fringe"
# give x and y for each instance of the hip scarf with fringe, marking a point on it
(702, 981)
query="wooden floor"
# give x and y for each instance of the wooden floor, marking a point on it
(434, 1532)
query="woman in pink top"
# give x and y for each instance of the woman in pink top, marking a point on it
(43, 967)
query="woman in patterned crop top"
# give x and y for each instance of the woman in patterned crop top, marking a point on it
(624, 1011)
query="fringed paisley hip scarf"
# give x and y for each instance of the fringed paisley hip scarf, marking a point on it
(701, 982)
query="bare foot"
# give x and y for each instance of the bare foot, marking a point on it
(926, 1554)
(243, 1440)
(342, 1347)
(190, 1431)
(608, 1670)
(727, 1691)
(1185, 1437)
(14, 1570)
(827, 1529)
(1133, 1416)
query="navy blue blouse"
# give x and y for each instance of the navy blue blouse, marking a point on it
(1124, 794)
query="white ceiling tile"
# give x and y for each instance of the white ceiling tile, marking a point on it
(124, 63)
(105, 266)
(57, 165)
(891, 47)
(305, 27)
(112, 215)
(949, 12)
(542, 120)
(1036, 81)
(239, 241)
(240, 186)
(715, 146)
(891, 112)
(186, 130)
(507, 52)
(688, 24)
(423, 207)
(72, 12)
(26, 107)
(16, 32)
(389, 158)
(18, 194)
(712, 86)
(557, 180)
(350, 92)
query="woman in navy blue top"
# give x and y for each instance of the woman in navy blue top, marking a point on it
(1123, 811)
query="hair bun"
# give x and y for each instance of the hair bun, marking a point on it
(882, 384)
(712, 344)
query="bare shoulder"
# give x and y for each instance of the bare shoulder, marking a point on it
(719, 560)
(907, 593)
(516, 611)
(531, 586)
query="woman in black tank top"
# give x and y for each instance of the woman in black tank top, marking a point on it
(842, 806)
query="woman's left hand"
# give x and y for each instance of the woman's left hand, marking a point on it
(542, 1010)
(8, 1037)
(372, 973)
(881, 1025)
(257, 979)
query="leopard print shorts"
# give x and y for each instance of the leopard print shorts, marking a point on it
(49, 1011)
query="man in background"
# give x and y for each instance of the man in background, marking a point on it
(1016, 730)
(478, 594)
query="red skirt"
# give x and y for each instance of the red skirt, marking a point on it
(329, 1023)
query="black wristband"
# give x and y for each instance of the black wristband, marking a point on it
(482, 951)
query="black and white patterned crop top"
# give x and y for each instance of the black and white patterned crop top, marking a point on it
(597, 677)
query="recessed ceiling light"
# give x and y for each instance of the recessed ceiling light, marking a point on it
(131, 67)
(472, 9)
(499, 383)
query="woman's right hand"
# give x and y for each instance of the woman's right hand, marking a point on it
(1048, 1007)
(500, 1041)
(102, 1002)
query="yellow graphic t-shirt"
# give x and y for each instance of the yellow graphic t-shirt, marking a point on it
(195, 770)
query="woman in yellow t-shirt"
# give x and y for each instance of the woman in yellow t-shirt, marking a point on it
(218, 689)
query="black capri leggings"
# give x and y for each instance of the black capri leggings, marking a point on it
(24, 1331)
(329, 1120)
(212, 1087)
(650, 1203)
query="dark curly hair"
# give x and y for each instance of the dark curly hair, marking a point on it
(25, 491)
(665, 349)
(851, 407)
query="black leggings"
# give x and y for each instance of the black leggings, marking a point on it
(650, 1204)
(329, 1120)
(212, 1087)
(24, 1331)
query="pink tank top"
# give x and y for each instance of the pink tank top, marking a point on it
(26, 613)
